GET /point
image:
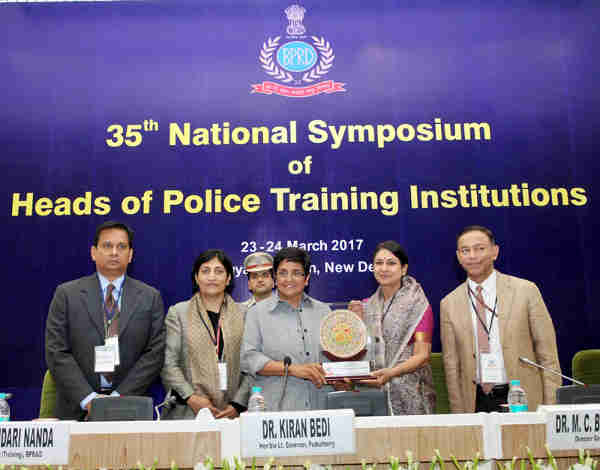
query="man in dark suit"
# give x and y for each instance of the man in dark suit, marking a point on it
(104, 313)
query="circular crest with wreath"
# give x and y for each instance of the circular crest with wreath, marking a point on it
(321, 68)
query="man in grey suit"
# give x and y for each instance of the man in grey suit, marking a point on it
(104, 313)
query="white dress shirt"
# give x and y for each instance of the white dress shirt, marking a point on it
(489, 297)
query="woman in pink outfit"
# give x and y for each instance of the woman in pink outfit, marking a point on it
(400, 320)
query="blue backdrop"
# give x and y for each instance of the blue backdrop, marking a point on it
(422, 116)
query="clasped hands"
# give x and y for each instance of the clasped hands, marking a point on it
(196, 403)
(88, 407)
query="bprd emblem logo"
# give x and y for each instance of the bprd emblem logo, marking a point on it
(298, 63)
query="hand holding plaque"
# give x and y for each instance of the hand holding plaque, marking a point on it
(344, 340)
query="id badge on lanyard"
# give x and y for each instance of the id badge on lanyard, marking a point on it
(222, 375)
(112, 342)
(491, 371)
(221, 363)
(104, 359)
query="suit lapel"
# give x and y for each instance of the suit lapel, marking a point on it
(505, 295)
(92, 297)
(466, 321)
(128, 304)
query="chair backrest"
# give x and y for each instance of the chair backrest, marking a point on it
(442, 405)
(124, 408)
(364, 402)
(586, 366)
(578, 395)
(48, 397)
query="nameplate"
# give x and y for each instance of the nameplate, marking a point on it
(297, 433)
(34, 443)
(573, 427)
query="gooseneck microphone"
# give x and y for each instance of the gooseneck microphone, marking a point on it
(552, 371)
(287, 361)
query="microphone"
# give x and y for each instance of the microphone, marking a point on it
(168, 402)
(552, 371)
(287, 361)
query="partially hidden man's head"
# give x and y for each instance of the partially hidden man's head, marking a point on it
(259, 267)
(476, 250)
(112, 250)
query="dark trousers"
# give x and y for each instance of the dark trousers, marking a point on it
(493, 400)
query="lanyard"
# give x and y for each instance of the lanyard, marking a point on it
(485, 328)
(216, 341)
(389, 305)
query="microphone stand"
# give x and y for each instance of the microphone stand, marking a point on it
(168, 401)
(287, 360)
(552, 371)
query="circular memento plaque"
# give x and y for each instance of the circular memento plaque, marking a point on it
(343, 334)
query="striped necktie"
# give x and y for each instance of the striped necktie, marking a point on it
(111, 310)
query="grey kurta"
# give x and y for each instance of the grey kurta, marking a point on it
(273, 330)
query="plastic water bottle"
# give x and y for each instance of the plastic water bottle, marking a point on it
(257, 401)
(4, 408)
(517, 398)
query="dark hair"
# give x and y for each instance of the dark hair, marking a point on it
(477, 228)
(113, 224)
(205, 257)
(395, 248)
(293, 254)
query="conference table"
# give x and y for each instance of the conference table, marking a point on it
(495, 436)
